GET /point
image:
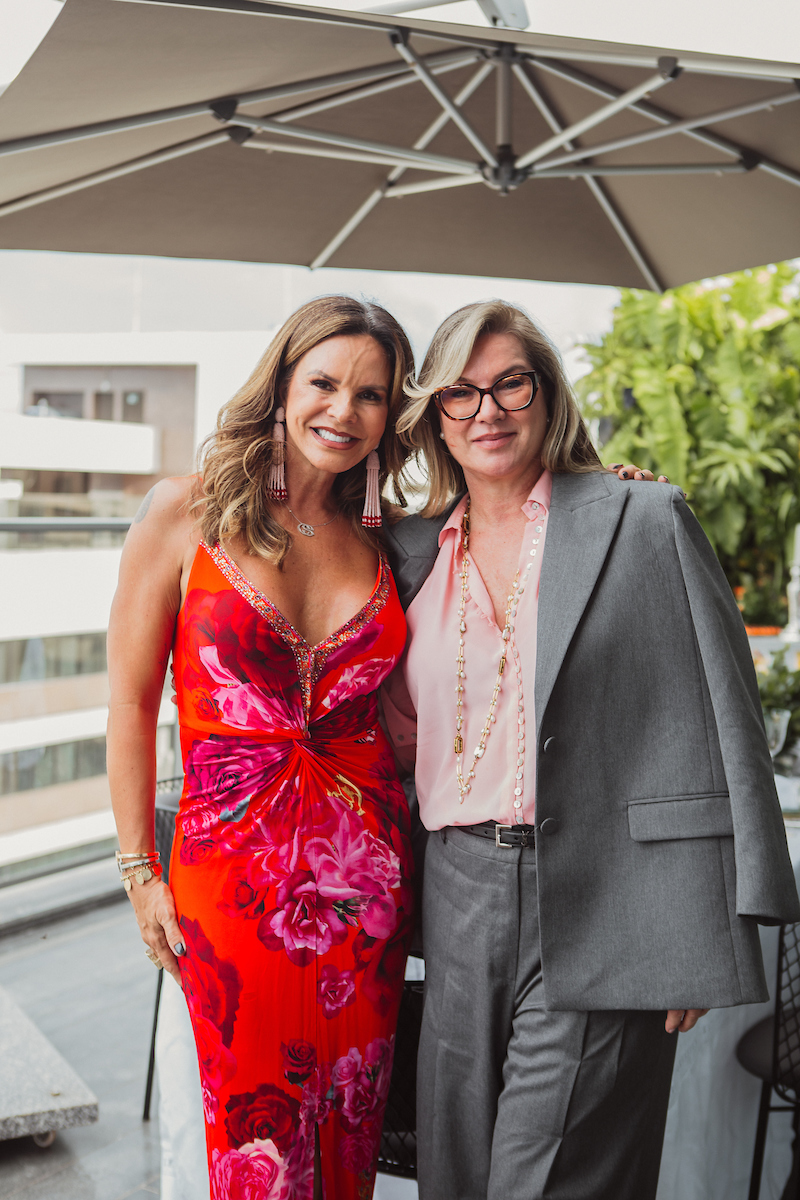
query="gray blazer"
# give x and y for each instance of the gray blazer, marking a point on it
(660, 841)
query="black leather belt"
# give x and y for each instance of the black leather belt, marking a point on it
(503, 835)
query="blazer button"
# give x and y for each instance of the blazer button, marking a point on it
(547, 744)
(549, 825)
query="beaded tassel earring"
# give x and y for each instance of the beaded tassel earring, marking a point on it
(276, 484)
(371, 518)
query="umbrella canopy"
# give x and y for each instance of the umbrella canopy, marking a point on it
(270, 132)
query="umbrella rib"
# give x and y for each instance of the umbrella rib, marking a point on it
(377, 195)
(452, 110)
(667, 71)
(366, 90)
(334, 152)
(179, 150)
(684, 126)
(665, 117)
(605, 202)
(382, 71)
(598, 170)
(415, 159)
(433, 185)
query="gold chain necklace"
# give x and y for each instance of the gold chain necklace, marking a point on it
(517, 589)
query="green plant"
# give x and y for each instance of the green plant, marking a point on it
(779, 687)
(703, 384)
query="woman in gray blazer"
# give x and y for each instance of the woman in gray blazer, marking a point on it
(591, 764)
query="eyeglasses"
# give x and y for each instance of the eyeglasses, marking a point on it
(511, 393)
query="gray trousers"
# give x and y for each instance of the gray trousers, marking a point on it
(514, 1102)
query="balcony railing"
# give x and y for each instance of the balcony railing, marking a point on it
(20, 533)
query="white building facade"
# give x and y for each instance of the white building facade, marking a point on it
(88, 422)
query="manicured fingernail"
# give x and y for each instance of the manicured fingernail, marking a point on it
(179, 949)
(624, 474)
(614, 466)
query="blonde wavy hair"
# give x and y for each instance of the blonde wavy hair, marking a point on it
(231, 494)
(567, 445)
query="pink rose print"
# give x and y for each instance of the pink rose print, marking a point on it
(272, 843)
(358, 680)
(362, 1085)
(205, 706)
(268, 1112)
(355, 865)
(318, 1096)
(224, 772)
(240, 899)
(378, 1059)
(304, 923)
(256, 1171)
(212, 985)
(383, 964)
(299, 1164)
(335, 989)
(199, 819)
(360, 1101)
(241, 703)
(358, 1151)
(346, 1069)
(217, 1065)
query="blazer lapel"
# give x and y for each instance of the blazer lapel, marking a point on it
(412, 545)
(584, 513)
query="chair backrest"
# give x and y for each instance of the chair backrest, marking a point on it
(786, 1061)
(168, 796)
(398, 1148)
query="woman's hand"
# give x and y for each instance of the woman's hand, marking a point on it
(631, 471)
(158, 924)
(681, 1020)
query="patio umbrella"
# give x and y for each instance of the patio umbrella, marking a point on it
(271, 132)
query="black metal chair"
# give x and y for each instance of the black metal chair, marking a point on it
(771, 1052)
(168, 795)
(398, 1149)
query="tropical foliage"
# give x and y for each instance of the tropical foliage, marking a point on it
(779, 687)
(703, 384)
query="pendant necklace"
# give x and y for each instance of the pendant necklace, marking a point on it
(303, 526)
(517, 589)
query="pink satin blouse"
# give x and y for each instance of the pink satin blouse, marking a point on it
(419, 699)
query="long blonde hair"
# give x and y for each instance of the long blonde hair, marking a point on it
(231, 495)
(567, 445)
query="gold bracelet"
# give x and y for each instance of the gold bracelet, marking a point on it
(141, 874)
(144, 859)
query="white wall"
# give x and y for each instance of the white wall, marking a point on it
(223, 361)
(44, 593)
(64, 444)
(56, 728)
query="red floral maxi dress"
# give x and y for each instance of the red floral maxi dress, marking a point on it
(291, 875)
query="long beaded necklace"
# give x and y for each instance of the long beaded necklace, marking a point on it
(517, 589)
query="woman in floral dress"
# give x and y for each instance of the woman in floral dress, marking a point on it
(289, 914)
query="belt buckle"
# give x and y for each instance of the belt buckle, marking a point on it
(498, 829)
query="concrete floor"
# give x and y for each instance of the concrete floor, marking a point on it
(88, 986)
